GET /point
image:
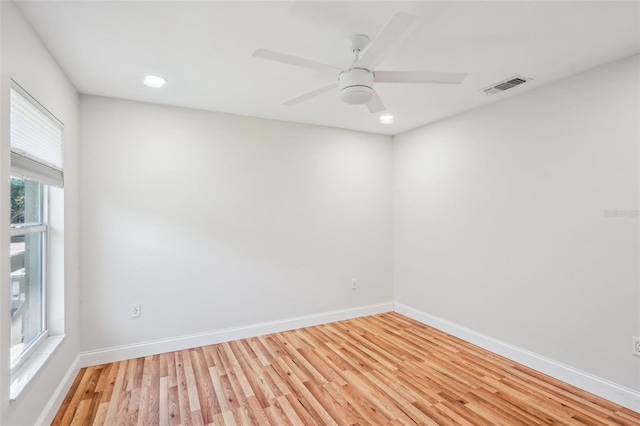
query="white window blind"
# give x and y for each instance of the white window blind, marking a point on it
(36, 140)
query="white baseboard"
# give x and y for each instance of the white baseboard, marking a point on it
(613, 392)
(50, 410)
(121, 353)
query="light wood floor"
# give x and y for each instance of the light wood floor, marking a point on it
(379, 370)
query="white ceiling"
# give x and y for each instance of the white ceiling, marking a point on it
(204, 49)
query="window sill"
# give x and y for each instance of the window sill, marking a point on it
(27, 371)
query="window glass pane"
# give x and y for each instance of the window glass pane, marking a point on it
(27, 302)
(26, 201)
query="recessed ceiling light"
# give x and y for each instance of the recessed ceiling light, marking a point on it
(386, 119)
(154, 81)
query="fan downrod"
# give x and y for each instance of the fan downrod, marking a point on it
(357, 42)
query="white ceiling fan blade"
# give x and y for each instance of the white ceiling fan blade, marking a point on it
(391, 34)
(293, 60)
(375, 104)
(419, 77)
(311, 94)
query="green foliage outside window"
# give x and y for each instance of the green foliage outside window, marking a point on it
(17, 200)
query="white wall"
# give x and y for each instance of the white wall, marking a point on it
(27, 61)
(212, 220)
(499, 221)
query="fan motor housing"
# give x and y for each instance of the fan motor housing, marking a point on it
(356, 86)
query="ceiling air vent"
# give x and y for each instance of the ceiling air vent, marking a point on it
(506, 85)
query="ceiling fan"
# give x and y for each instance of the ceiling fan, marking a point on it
(356, 82)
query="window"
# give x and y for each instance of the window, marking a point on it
(28, 278)
(36, 166)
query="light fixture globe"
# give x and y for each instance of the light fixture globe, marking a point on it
(356, 95)
(356, 86)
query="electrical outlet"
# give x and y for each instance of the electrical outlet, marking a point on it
(354, 284)
(134, 310)
(636, 345)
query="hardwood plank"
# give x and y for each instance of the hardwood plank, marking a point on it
(241, 406)
(229, 393)
(398, 399)
(359, 403)
(376, 399)
(245, 363)
(118, 389)
(122, 415)
(134, 405)
(170, 359)
(93, 408)
(313, 406)
(494, 402)
(274, 416)
(271, 346)
(301, 410)
(223, 402)
(102, 379)
(163, 407)
(280, 383)
(252, 378)
(228, 418)
(174, 406)
(292, 417)
(196, 418)
(101, 414)
(184, 407)
(348, 413)
(379, 370)
(81, 416)
(65, 409)
(190, 381)
(76, 398)
(150, 396)
(129, 379)
(326, 399)
(205, 391)
(255, 412)
(110, 382)
(262, 351)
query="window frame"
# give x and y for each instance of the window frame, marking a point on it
(42, 227)
(36, 156)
